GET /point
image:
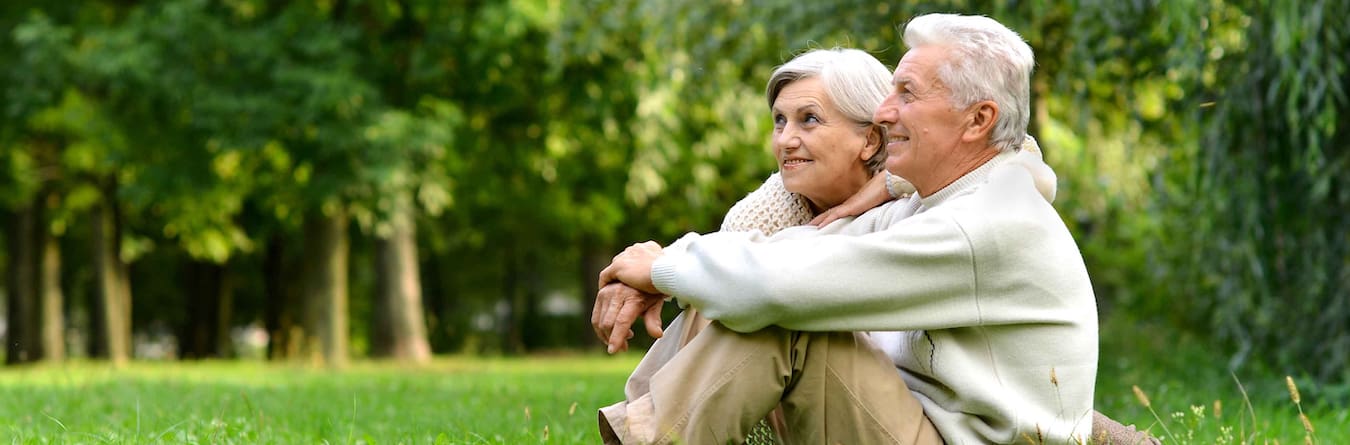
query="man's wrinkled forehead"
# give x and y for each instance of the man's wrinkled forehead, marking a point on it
(918, 69)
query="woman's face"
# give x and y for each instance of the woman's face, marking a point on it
(822, 154)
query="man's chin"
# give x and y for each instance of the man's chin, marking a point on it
(895, 166)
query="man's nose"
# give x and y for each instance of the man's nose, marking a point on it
(886, 112)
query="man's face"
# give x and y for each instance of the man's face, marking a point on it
(923, 127)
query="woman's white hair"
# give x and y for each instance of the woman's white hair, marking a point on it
(987, 61)
(854, 80)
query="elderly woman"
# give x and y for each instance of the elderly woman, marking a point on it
(827, 150)
(825, 143)
(824, 140)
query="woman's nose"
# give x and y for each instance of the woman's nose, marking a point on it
(787, 138)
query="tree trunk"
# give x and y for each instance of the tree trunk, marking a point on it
(50, 320)
(112, 284)
(442, 326)
(533, 329)
(512, 329)
(93, 341)
(206, 331)
(22, 289)
(282, 304)
(399, 327)
(53, 331)
(224, 314)
(593, 260)
(194, 335)
(325, 288)
(522, 288)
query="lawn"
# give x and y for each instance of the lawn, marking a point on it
(452, 401)
(1194, 398)
(552, 399)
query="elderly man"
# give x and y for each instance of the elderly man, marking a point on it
(974, 288)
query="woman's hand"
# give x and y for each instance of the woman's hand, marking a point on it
(872, 194)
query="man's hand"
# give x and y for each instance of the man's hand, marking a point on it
(617, 307)
(626, 292)
(633, 267)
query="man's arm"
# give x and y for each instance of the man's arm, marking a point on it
(918, 274)
(626, 290)
(839, 287)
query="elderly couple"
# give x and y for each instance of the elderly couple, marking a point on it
(958, 310)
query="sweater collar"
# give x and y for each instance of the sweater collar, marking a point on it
(967, 183)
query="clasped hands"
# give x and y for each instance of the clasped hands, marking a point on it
(627, 293)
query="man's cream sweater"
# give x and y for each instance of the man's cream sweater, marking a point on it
(978, 293)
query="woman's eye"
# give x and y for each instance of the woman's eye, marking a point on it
(779, 120)
(811, 119)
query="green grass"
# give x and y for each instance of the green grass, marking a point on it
(453, 400)
(553, 399)
(1194, 399)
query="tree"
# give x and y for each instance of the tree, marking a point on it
(22, 289)
(1253, 209)
(49, 117)
(399, 326)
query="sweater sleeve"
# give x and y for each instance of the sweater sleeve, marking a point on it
(918, 274)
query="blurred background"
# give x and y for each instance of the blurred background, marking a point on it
(324, 180)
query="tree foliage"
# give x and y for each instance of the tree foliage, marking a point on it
(1252, 210)
(1199, 146)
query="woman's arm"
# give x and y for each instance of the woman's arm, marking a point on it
(881, 188)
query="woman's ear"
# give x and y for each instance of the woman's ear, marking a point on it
(872, 143)
(981, 121)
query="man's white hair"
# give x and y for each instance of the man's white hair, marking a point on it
(986, 61)
(854, 80)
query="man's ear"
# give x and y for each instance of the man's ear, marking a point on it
(980, 121)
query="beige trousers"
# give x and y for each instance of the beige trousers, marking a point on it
(702, 383)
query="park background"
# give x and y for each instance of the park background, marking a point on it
(408, 201)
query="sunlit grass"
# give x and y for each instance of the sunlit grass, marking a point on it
(453, 400)
(1191, 399)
